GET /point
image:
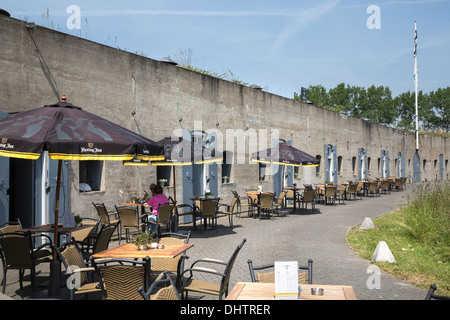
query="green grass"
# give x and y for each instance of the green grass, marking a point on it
(418, 237)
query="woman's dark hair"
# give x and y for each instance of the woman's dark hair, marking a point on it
(158, 189)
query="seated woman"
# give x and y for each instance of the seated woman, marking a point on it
(155, 201)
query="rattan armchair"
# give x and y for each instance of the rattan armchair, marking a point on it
(279, 202)
(269, 276)
(176, 265)
(165, 217)
(129, 220)
(218, 289)
(80, 279)
(163, 289)
(17, 252)
(265, 205)
(351, 191)
(120, 278)
(231, 209)
(330, 194)
(208, 211)
(341, 193)
(308, 197)
(98, 243)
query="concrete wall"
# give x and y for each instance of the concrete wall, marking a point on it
(39, 65)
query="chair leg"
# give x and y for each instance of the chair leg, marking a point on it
(4, 279)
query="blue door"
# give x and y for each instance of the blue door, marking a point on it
(416, 168)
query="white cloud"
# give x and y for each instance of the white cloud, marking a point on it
(302, 20)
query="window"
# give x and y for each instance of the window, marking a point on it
(163, 175)
(368, 164)
(262, 171)
(91, 172)
(379, 165)
(424, 165)
(226, 166)
(318, 157)
(354, 165)
(340, 165)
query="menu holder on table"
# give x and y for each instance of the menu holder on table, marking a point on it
(286, 280)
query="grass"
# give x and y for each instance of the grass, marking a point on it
(418, 237)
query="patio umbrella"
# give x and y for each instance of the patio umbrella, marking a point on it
(285, 154)
(69, 133)
(182, 152)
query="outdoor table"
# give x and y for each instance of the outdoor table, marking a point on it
(266, 291)
(131, 251)
(50, 228)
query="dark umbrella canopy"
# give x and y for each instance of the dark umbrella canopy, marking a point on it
(179, 151)
(285, 154)
(67, 132)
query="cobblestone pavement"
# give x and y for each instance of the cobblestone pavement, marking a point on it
(319, 236)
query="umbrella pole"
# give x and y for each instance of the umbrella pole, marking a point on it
(55, 267)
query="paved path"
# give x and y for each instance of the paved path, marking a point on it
(319, 236)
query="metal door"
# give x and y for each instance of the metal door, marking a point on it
(362, 164)
(416, 168)
(401, 164)
(4, 184)
(441, 167)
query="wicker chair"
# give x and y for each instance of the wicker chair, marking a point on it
(290, 196)
(76, 270)
(129, 220)
(372, 189)
(99, 243)
(251, 204)
(208, 210)
(165, 215)
(269, 276)
(351, 191)
(163, 289)
(176, 265)
(120, 278)
(231, 210)
(218, 289)
(106, 217)
(340, 194)
(386, 186)
(17, 252)
(330, 194)
(308, 197)
(266, 205)
(359, 189)
(279, 203)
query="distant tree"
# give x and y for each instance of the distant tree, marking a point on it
(437, 111)
(318, 95)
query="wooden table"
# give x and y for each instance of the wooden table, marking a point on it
(295, 190)
(130, 251)
(266, 291)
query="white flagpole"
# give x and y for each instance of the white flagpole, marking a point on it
(416, 86)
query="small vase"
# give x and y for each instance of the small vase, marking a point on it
(142, 247)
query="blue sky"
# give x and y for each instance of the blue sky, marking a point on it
(278, 45)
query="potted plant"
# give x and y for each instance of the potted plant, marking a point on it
(78, 220)
(208, 195)
(142, 240)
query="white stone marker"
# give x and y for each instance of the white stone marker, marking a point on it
(383, 253)
(367, 224)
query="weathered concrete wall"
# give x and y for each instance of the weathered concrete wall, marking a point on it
(39, 65)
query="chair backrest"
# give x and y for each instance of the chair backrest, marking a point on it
(266, 200)
(16, 248)
(120, 278)
(342, 189)
(386, 184)
(330, 191)
(129, 217)
(269, 277)
(227, 272)
(359, 186)
(104, 236)
(308, 195)
(372, 185)
(163, 289)
(289, 194)
(253, 198)
(165, 212)
(102, 212)
(208, 208)
(70, 255)
(171, 265)
(352, 188)
(281, 197)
